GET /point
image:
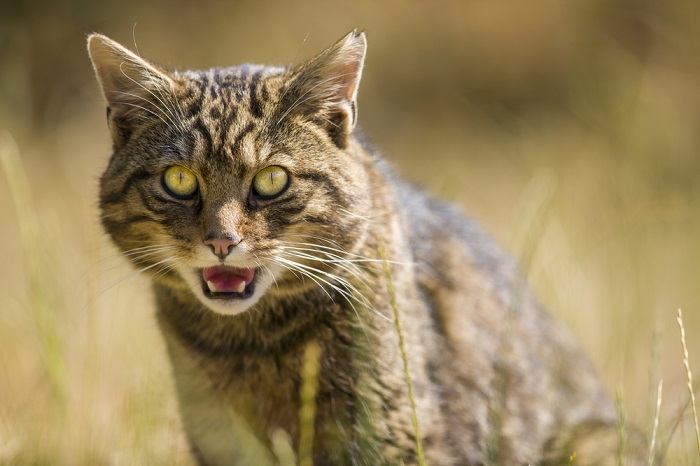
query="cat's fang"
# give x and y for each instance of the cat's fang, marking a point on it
(241, 287)
(211, 286)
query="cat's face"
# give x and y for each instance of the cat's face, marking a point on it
(235, 182)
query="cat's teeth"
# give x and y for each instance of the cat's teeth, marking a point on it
(212, 287)
(241, 287)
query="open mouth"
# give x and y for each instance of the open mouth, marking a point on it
(224, 282)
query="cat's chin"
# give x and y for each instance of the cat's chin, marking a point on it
(228, 303)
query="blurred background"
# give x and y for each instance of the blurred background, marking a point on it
(569, 129)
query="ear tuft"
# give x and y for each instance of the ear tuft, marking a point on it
(120, 70)
(132, 87)
(326, 86)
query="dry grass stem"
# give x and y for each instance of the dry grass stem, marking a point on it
(689, 376)
(655, 428)
(404, 355)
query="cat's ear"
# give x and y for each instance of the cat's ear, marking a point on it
(325, 87)
(132, 87)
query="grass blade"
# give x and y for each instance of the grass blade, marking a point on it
(307, 411)
(404, 356)
(621, 427)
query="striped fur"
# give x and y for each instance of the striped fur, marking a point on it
(496, 381)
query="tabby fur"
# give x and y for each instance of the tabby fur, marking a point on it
(495, 380)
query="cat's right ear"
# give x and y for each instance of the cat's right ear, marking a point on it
(132, 86)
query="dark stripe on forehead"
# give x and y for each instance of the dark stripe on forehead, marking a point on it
(239, 93)
(235, 149)
(226, 125)
(203, 80)
(255, 104)
(265, 92)
(217, 77)
(116, 196)
(195, 106)
(202, 129)
(214, 92)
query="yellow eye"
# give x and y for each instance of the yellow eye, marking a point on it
(270, 181)
(180, 181)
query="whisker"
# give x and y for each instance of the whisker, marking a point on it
(161, 110)
(150, 92)
(348, 266)
(267, 269)
(149, 251)
(137, 272)
(359, 256)
(135, 254)
(334, 258)
(348, 293)
(304, 274)
(162, 271)
(123, 102)
(343, 293)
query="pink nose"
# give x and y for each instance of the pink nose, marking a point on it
(221, 247)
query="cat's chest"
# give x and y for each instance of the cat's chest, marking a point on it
(264, 390)
(261, 388)
(256, 393)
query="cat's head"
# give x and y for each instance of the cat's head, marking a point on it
(234, 182)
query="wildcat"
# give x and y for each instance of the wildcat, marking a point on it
(266, 223)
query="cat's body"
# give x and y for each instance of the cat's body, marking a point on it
(343, 247)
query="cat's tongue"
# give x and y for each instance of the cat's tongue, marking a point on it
(224, 279)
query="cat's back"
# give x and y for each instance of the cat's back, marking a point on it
(520, 373)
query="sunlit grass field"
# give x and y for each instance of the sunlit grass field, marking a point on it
(571, 131)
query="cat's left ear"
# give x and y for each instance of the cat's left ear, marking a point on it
(325, 87)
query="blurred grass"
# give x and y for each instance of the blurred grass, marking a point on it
(475, 100)
(655, 424)
(307, 412)
(34, 251)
